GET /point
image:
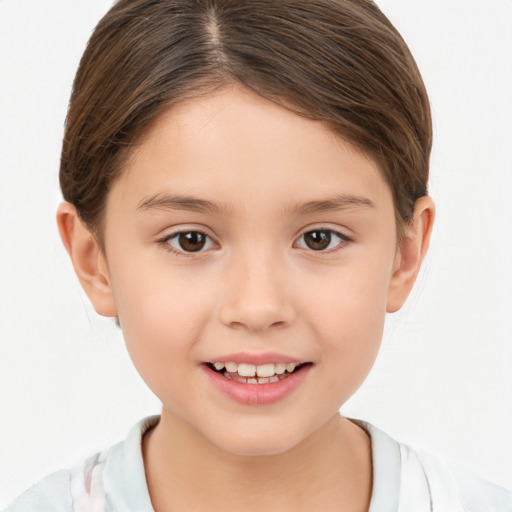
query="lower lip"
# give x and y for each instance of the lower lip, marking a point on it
(257, 394)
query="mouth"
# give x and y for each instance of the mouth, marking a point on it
(254, 380)
(247, 373)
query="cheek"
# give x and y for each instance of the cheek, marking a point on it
(161, 318)
(349, 321)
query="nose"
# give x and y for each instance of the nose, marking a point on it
(256, 295)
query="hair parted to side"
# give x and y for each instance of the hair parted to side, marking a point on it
(337, 61)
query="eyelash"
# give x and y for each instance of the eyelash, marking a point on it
(165, 242)
(343, 239)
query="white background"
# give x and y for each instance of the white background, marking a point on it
(443, 380)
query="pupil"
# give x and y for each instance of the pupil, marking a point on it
(192, 241)
(317, 240)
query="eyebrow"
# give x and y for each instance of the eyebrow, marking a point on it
(336, 203)
(194, 204)
(178, 202)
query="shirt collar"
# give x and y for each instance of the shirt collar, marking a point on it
(125, 484)
(386, 463)
(125, 479)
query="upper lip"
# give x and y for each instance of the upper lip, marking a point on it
(255, 359)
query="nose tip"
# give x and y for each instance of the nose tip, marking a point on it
(255, 315)
(256, 302)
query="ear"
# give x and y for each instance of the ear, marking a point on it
(88, 259)
(411, 252)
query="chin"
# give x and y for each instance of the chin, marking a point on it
(257, 442)
(256, 448)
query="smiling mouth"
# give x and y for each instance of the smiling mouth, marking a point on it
(256, 374)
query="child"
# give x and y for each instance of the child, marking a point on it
(246, 192)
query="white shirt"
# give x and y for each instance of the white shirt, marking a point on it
(403, 481)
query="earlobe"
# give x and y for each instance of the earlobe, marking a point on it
(411, 253)
(88, 259)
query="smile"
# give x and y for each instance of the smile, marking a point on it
(255, 374)
(262, 383)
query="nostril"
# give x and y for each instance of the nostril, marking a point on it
(255, 314)
(238, 325)
(257, 326)
(254, 297)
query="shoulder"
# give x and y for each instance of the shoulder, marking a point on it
(479, 494)
(110, 480)
(76, 490)
(406, 480)
(51, 493)
(448, 484)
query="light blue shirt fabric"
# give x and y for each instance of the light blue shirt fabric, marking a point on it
(403, 481)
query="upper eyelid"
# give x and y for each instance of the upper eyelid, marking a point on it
(165, 242)
(172, 231)
(343, 241)
(172, 234)
(336, 231)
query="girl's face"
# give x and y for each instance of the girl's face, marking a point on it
(242, 233)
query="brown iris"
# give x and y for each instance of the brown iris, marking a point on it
(192, 241)
(317, 240)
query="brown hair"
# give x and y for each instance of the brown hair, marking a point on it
(338, 61)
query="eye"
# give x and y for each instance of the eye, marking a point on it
(189, 241)
(321, 239)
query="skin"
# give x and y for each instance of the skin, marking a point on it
(256, 287)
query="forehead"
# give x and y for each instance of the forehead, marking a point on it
(239, 149)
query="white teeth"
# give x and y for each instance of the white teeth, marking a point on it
(246, 370)
(252, 374)
(231, 367)
(280, 368)
(265, 370)
(254, 380)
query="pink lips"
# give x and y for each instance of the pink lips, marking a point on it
(257, 394)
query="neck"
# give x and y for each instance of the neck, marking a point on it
(186, 472)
